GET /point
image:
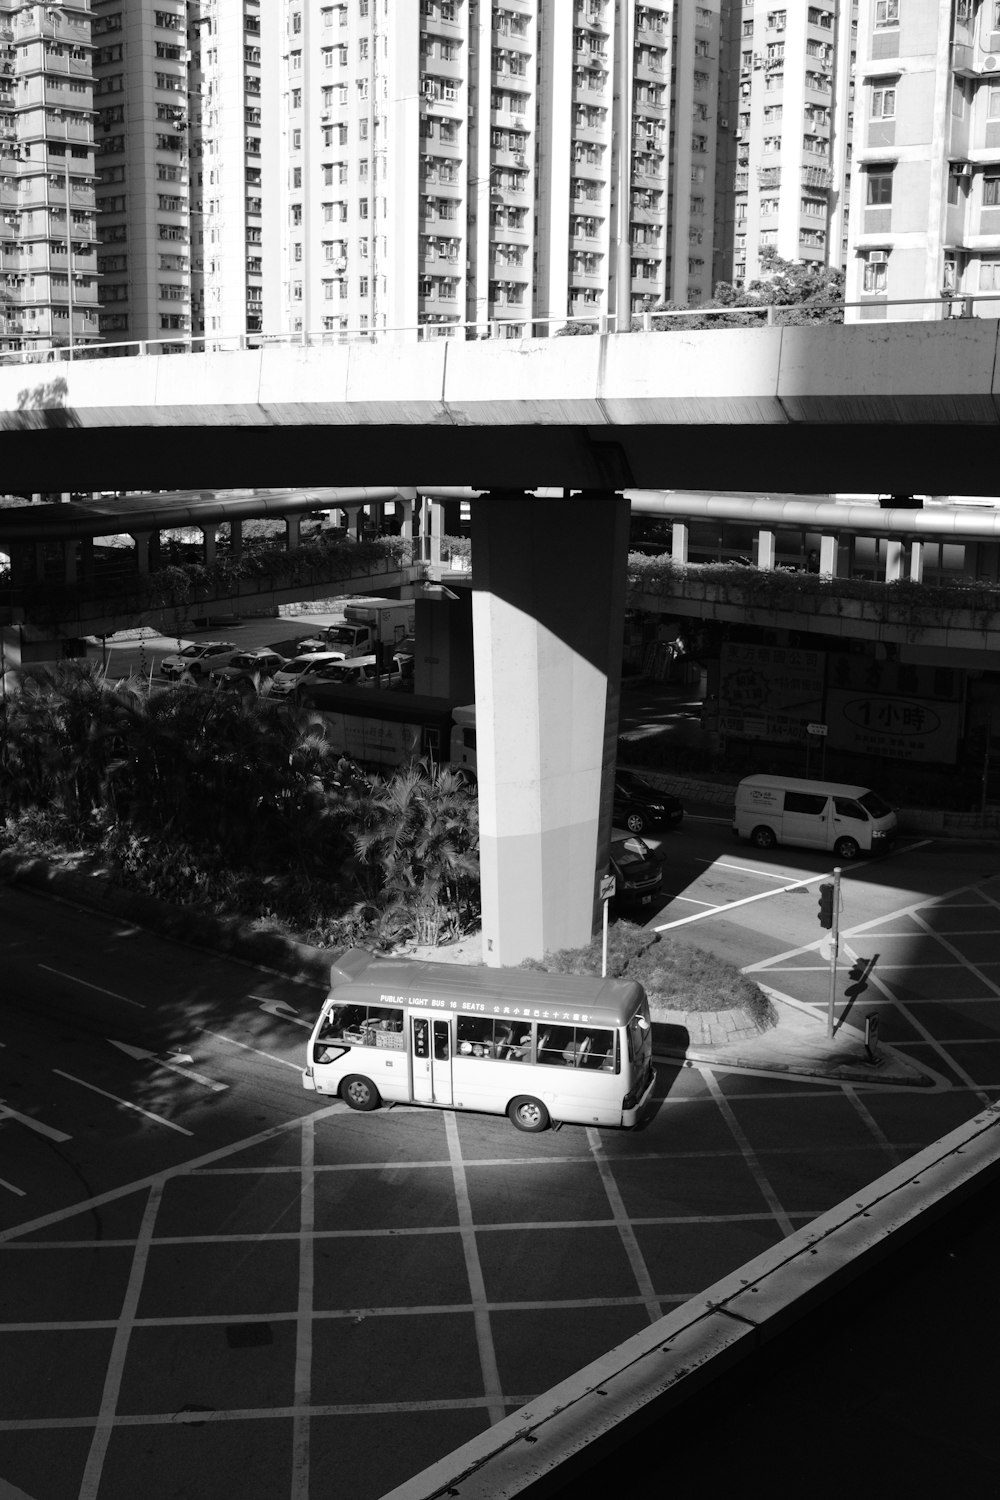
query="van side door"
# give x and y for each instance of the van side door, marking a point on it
(851, 821)
(805, 821)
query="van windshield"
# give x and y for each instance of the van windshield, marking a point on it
(874, 805)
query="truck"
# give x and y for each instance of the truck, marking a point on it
(367, 624)
(390, 729)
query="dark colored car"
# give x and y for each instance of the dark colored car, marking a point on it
(247, 671)
(638, 875)
(639, 805)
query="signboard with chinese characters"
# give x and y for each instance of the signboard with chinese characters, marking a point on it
(896, 728)
(769, 692)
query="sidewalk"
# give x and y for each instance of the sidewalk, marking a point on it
(797, 1045)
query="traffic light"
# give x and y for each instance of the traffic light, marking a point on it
(826, 905)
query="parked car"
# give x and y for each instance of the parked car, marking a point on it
(638, 875)
(638, 805)
(198, 659)
(302, 672)
(247, 671)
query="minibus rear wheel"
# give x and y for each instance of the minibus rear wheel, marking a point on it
(360, 1093)
(763, 837)
(528, 1114)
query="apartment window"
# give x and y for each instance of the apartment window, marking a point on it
(993, 104)
(363, 284)
(362, 208)
(883, 106)
(876, 271)
(886, 14)
(989, 275)
(296, 177)
(879, 193)
(296, 98)
(991, 189)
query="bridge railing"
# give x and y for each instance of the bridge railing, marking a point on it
(873, 309)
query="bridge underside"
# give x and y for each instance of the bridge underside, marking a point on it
(899, 457)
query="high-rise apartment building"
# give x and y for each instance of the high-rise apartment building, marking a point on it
(926, 209)
(446, 161)
(48, 270)
(144, 114)
(788, 104)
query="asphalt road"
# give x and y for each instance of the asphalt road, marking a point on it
(212, 1278)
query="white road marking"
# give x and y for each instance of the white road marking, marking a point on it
(474, 1270)
(625, 1226)
(125, 1103)
(171, 1061)
(12, 1114)
(741, 869)
(282, 1010)
(235, 1042)
(88, 986)
(304, 1316)
(104, 1427)
(717, 911)
(11, 1189)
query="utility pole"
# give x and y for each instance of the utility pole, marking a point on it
(829, 917)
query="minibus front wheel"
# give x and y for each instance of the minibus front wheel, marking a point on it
(360, 1093)
(847, 848)
(528, 1114)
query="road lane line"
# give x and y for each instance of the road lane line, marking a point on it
(746, 1150)
(88, 986)
(90, 1483)
(7, 1112)
(235, 1042)
(11, 1188)
(625, 1227)
(173, 1061)
(125, 1103)
(718, 911)
(304, 1315)
(741, 869)
(474, 1270)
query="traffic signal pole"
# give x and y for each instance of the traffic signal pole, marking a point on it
(834, 946)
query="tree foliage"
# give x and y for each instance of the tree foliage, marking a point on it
(808, 291)
(214, 798)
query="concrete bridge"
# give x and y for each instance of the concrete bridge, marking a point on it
(904, 407)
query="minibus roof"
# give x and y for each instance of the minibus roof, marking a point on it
(359, 977)
(800, 784)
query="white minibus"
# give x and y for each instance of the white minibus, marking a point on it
(538, 1048)
(850, 820)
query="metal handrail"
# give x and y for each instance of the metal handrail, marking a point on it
(770, 314)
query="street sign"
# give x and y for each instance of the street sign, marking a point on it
(607, 887)
(815, 729)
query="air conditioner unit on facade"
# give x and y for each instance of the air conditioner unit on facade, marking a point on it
(990, 63)
(878, 257)
(961, 169)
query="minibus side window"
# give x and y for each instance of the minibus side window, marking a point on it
(482, 1036)
(576, 1047)
(848, 808)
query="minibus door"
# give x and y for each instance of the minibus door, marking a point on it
(430, 1049)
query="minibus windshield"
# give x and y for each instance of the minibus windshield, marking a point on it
(874, 805)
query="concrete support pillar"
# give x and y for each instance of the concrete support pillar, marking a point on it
(293, 525)
(236, 538)
(828, 555)
(893, 559)
(355, 521)
(142, 540)
(917, 562)
(208, 537)
(435, 521)
(680, 535)
(548, 612)
(406, 529)
(765, 550)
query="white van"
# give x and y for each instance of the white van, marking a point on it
(850, 820)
